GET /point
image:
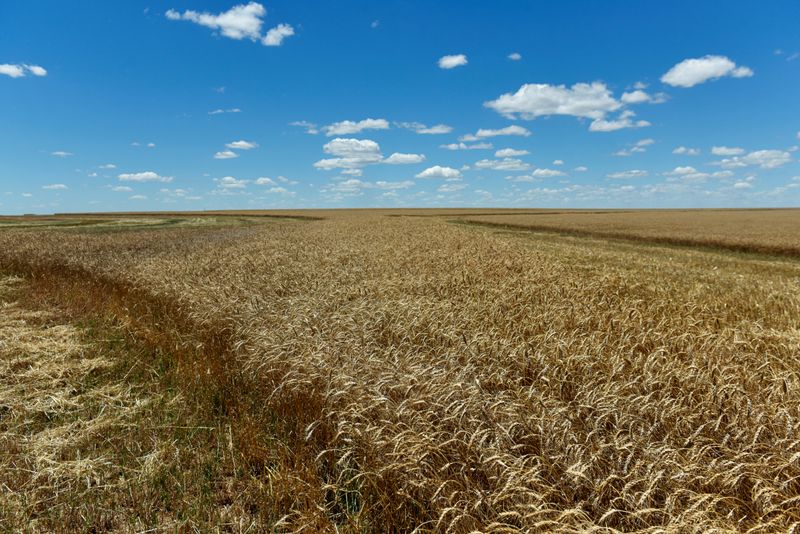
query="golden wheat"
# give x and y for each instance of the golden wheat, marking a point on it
(392, 373)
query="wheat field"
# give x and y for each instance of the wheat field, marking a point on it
(382, 371)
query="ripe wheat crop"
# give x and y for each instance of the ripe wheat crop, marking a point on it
(386, 373)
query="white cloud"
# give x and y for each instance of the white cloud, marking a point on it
(354, 186)
(450, 62)
(510, 153)
(15, 71)
(61, 154)
(514, 56)
(437, 171)
(151, 145)
(592, 101)
(679, 171)
(450, 188)
(624, 175)
(420, 128)
(558, 162)
(638, 96)
(742, 185)
(146, 176)
(726, 151)
(55, 187)
(310, 127)
(265, 181)
(122, 189)
(350, 154)
(691, 72)
(581, 168)
(242, 145)
(402, 159)
(226, 154)
(137, 197)
(505, 164)
(220, 111)
(350, 127)
(229, 182)
(464, 146)
(547, 173)
(276, 35)
(484, 133)
(637, 147)
(765, 159)
(243, 21)
(686, 151)
(624, 120)
(374, 24)
(108, 166)
(405, 184)
(18, 71)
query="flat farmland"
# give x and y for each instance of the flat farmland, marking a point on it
(383, 370)
(775, 231)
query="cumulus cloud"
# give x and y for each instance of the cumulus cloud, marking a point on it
(625, 175)
(122, 189)
(514, 56)
(451, 62)
(726, 151)
(229, 182)
(146, 176)
(403, 159)
(510, 153)
(19, 71)
(61, 154)
(505, 164)
(226, 154)
(484, 133)
(586, 100)
(638, 147)
(624, 120)
(350, 154)
(351, 127)
(691, 72)
(243, 21)
(420, 128)
(465, 146)
(276, 35)
(310, 127)
(55, 187)
(765, 159)
(242, 145)
(639, 96)
(437, 171)
(682, 150)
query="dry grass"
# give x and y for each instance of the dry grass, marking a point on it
(770, 231)
(378, 373)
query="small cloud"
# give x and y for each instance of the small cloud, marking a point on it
(151, 145)
(122, 189)
(242, 145)
(505, 164)
(464, 146)
(420, 128)
(686, 151)
(265, 181)
(276, 35)
(625, 120)
(108, 166)
(226, 154)
(220, 111)
(510, 153)
(453, 61)
(558, 162)
(726, 151)
(61, 154)
(138, 197)
(146, 176)
(514, 56)
(437, 171)
(691, 72)
(484, 133)
(403, 159)
(581, 168)
(220, 89)
(450, 188)
(229, 182)
(351, 127)
(625, 175)
(375, 24)
(19, 71)
(310, 127)
(55, 187)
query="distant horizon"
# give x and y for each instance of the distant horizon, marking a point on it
(177, 106)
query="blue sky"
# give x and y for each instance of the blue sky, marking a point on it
(181, 105)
